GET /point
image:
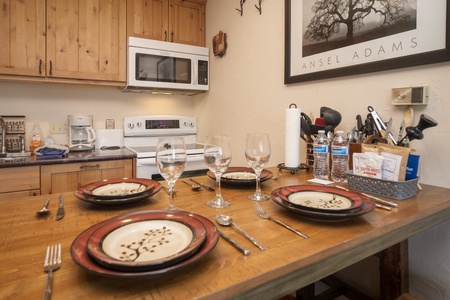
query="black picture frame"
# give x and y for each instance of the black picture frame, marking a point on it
(415, 59)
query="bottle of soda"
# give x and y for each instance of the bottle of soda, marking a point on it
(321, 167)
(339, 157)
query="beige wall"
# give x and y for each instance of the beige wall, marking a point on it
(44, 102)
(248, 92)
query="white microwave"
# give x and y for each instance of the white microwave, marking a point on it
(166, 68)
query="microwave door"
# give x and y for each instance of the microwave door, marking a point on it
(183, 71)
(194, 73)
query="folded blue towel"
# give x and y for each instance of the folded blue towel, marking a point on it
(51, 151)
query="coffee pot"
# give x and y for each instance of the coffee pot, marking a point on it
(81, 134)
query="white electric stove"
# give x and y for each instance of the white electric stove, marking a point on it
(141, 136)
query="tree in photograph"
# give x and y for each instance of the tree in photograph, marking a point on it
(330, 15)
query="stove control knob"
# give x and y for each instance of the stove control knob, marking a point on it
(130, 125)
(139, 124)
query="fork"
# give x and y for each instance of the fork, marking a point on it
(262, 214)
(51, 264)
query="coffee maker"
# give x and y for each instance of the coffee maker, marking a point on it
(81, 133)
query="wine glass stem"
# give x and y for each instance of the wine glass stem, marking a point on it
(258, 183)
(171, 192)
(218, 192)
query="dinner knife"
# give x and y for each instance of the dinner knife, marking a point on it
(203, 185)
(60, 213)
(236, 245)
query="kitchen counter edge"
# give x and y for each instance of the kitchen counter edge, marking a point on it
(73, 157)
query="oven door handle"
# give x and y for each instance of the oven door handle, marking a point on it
(195, 157)
(152, 160)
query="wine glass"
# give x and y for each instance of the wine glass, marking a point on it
(171, 159)
(257, 153)
(217, 156)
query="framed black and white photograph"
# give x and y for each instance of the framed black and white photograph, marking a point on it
(334, 38)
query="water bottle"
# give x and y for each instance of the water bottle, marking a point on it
(321, 156)
(339, 157)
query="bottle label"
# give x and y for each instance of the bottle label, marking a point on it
(339, 150)
(320, 149)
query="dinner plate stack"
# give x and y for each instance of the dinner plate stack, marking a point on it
(115, 192)
(144, 243)
(241, 177)
(322, 203)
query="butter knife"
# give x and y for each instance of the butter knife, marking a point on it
(203, 185)
(60, 213)
(235, 244)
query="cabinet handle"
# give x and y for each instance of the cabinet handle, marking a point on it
(40, 66)
(171, 34)
(51, 68)
(90, 166)
(165, 35)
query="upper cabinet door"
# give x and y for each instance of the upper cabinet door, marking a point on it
(86, 39)
(148, 19)
(187, 22)
(22, 37)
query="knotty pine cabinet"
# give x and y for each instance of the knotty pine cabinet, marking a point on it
(18, 182)
(178, 21)
(58, 41)
(60, 178)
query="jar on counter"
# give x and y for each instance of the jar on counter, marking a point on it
(35, 137)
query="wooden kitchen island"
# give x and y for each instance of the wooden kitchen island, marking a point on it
(290, 262)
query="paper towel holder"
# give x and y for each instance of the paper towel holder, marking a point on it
(302, 166)
(292, 170)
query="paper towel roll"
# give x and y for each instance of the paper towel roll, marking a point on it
(292, 138)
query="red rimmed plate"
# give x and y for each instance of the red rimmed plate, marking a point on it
(368, 206)
(118, 188)
(321, 198)
(117, 202)
(147, 241)
(82, 258)
(241, 176)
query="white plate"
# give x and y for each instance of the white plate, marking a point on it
(147, 241)
(239, 176)
(119, 189)
(320, 200)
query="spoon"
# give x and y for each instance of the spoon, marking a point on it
(225, 220)
(193, 186)
(44, 209)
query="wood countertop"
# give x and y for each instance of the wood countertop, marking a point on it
(289, 262)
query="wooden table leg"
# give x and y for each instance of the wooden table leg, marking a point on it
(394, 271)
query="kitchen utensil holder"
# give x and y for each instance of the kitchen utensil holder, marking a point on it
(397, 190)
(310, 153)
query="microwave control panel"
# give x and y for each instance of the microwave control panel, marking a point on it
(202, 72)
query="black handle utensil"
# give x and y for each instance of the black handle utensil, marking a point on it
(416, 132)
